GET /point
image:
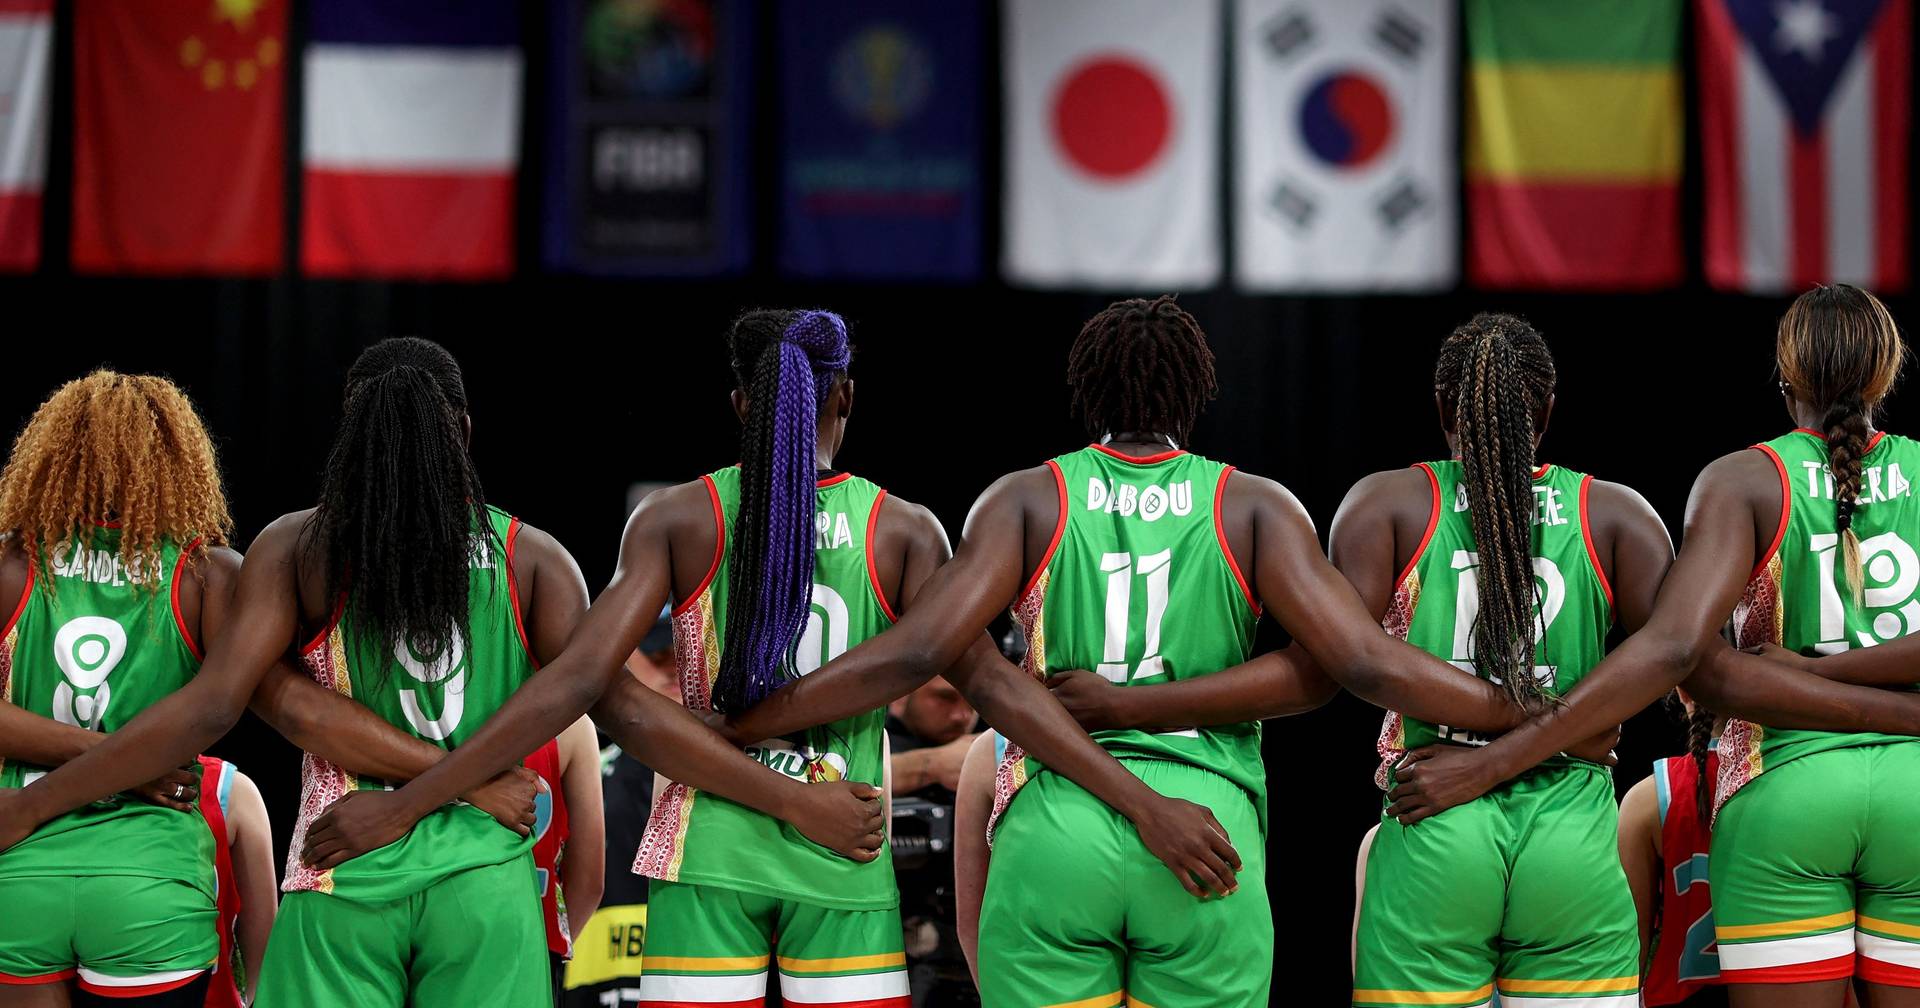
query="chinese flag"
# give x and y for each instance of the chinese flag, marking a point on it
(179, 135)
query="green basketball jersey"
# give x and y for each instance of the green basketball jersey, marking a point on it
(1799, 598)
(704, 838)
(442, 699)
(92, 644)
(1140, 588)
(1436, 602)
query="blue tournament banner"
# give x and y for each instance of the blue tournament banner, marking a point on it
(880, 172)
(648, 166)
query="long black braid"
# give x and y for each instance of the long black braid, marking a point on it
(400, 500)
(1497, 372)
(1141, 366)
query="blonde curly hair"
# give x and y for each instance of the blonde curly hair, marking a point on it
(110, 445)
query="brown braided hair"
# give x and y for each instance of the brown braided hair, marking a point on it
(1141, 366)
(111, 445)
(1839, 350)
(1498, 375)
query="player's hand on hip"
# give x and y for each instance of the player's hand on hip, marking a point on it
(1433, 779)
(1791, 659)
(362, 821)
(1192, 843)
(842, 816)
(1091, 699)
(510, 799)
(178, 788)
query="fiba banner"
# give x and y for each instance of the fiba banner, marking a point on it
(179, 136)
(26, 61)
(1574, 144)
(412, 129)
(1805, 119)
(881, 139)
(1113, 146)
(1344, 171)
(648, 169)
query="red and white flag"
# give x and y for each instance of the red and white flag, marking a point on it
(1113, 158)
(1805, 115)
(412, 139)
(26, 56)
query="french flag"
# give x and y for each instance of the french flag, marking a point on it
(412, 136)
(1804, 123)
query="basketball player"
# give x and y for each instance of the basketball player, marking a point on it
(1148, 564)
(570, 841)
(1664, 850)
(1805, 542)
(247, 894)
(448, 605)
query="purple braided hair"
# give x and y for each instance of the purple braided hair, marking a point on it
(770, 577)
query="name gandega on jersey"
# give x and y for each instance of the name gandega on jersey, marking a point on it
(96, 566)
(1151, 502)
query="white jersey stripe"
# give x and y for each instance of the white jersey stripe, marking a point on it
(1889, 950)
(805, 990)
(701, 989)
(1785, 951)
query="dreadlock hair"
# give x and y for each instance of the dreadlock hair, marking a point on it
(1839, 350)
(111, 445)
(788, 362)
(1498, 375)
(1141, 365)
(400, 500)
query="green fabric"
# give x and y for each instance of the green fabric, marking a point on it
(95, 645)
(443, 702)
(1570, 597)
(474, 938)
(1523, 884)
(119, 925)
(706, 943)
(1141, 590)
(725, 844)
(1817, 613)
(1826, 834)
(1078, 910)
(1622, 33)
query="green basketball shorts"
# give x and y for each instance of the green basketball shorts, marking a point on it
(118, 935)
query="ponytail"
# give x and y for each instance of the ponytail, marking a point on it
(1500, 375)
(1845, 429)
(788, 363)
(1699, 740)
(400, 500)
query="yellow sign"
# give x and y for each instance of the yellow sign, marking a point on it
(608, 948)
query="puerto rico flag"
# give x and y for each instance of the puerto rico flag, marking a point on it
(1805, 117)
(26, 61)
(412, 138)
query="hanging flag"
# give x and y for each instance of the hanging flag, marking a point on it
(1805, 116)
(412, 129)
(1573, 143)
(179, 112)
(1114, 143)
(880, 151)
(26, 59)
(1344, 166)
(648, 158)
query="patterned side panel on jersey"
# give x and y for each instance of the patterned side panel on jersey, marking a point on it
(1392, 743)
(321, 782)
(1011, 775)
(1758, 619)
(6, 673)
(696, 649)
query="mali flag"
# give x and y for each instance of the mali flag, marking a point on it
(1574, 146)
(179, 135)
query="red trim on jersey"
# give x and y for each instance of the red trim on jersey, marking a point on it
(833, 480)
(339, 612)
(222, 993)
(44, 978)
(1220, 533)
(1593, 555)
(1871, 443)
(179, 618)
(1874, 442)
(1541, 472)
(1433, 523)
(549, 846)
(873, 568)
(1786, 510)
(513, 591)
(1878, 971)
(1825, 969)
(1059, 529)
(1139, 459)
(14, 620)
(719, 547)
(140, 991)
